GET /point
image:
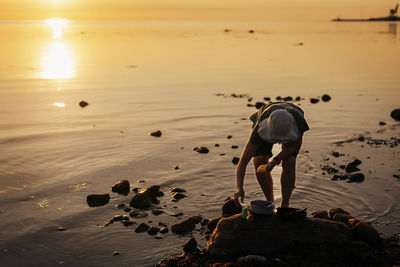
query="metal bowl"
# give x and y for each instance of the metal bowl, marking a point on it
(262, 207)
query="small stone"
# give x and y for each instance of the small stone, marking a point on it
(176, 167)
(156, 133)
(178, 195)
(229, 137)
(267, 98)
(142, 228)
(127, 209)
(222, 154)
(351, 168)
(251, 31)
(121, 206)
(116, 253)
(216, 145)
(190, 246)
(314, 100)
(61, 229)
(164, 230)
(196, 219)
(97, 200)
(83, 104)
(326, 98)
(121, 187)
(356, 177)
(136, 190)
(235, 160)
(288, 98)
(202, 150)
(177, 189)
(127, 223)
(234, 147)
(153, 231)
(381, 123)
(157, 212)
(183, 227)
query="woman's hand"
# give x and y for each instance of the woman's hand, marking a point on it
(239, 193)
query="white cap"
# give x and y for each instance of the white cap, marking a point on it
(280, 127)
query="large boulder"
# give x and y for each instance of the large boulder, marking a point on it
(261, 236)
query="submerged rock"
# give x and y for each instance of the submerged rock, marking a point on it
(121, 187)
(97, 200)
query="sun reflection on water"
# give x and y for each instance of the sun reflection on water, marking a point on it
(57, 62)
(57, 26)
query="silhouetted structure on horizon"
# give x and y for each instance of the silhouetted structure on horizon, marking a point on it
(392, 17)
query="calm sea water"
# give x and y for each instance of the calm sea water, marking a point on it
(143, 76)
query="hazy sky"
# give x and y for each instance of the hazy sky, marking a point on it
(194, 9)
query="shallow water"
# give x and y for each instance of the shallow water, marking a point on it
(143, 76)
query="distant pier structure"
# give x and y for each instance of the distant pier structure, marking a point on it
(392, 17)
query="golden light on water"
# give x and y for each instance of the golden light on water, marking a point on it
(57, 26)
(58, 62)
(59, 104)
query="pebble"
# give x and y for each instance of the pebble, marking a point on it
(202, 150)
(83, 104)
(234, 147)
(116, 253)
(61, 228)
(314, 100)
(142, 228)
(382, 123)
(153, 231)
(176, 167)
(177, 189)
(229, 137)
(121, 187)
(164, 230)
(216, 145)
(157, 212)
(178, 195)
(326, 98)
(356, 177)
(156, 133)
(395, 114)
(97, 200)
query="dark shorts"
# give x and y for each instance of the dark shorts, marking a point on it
(266, 149)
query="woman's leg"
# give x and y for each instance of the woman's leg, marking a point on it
(288, 179)
(264, 179)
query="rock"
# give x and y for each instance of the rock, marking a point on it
(314, 100)
(251, 31)
(332, 212)
(153, 231)
(141, 201)
(259, 105)
(157, 212)
(138, 214)
(156, 133)
(178, 195)
(336, 154)
(202, 150)
(356, 177)
(213, 223)
(235, 160)
(115, 253)
(234, 147)
(342, 217)
(176, 167)
(326, 98)
(142, 228)
(395, 114)
(267, 98)
(136, 190)
(229, 208)
(216, 145)
(298, 98)
(278, 98)
(229, 137)
(382, 123)
(204, 222)
(164, 230)
(151, 191)
(61, 229)
(121, 206)
(127, 223)
(83, 104)
(351, 168)
(97, 200)
(321, 214)
(235, 236)
(183, 226)
(227, 30)
(366, 233)
(177, 189)
(196, 219)
(190, 246)
(121, 187)
(288, 98)
(339, 177)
